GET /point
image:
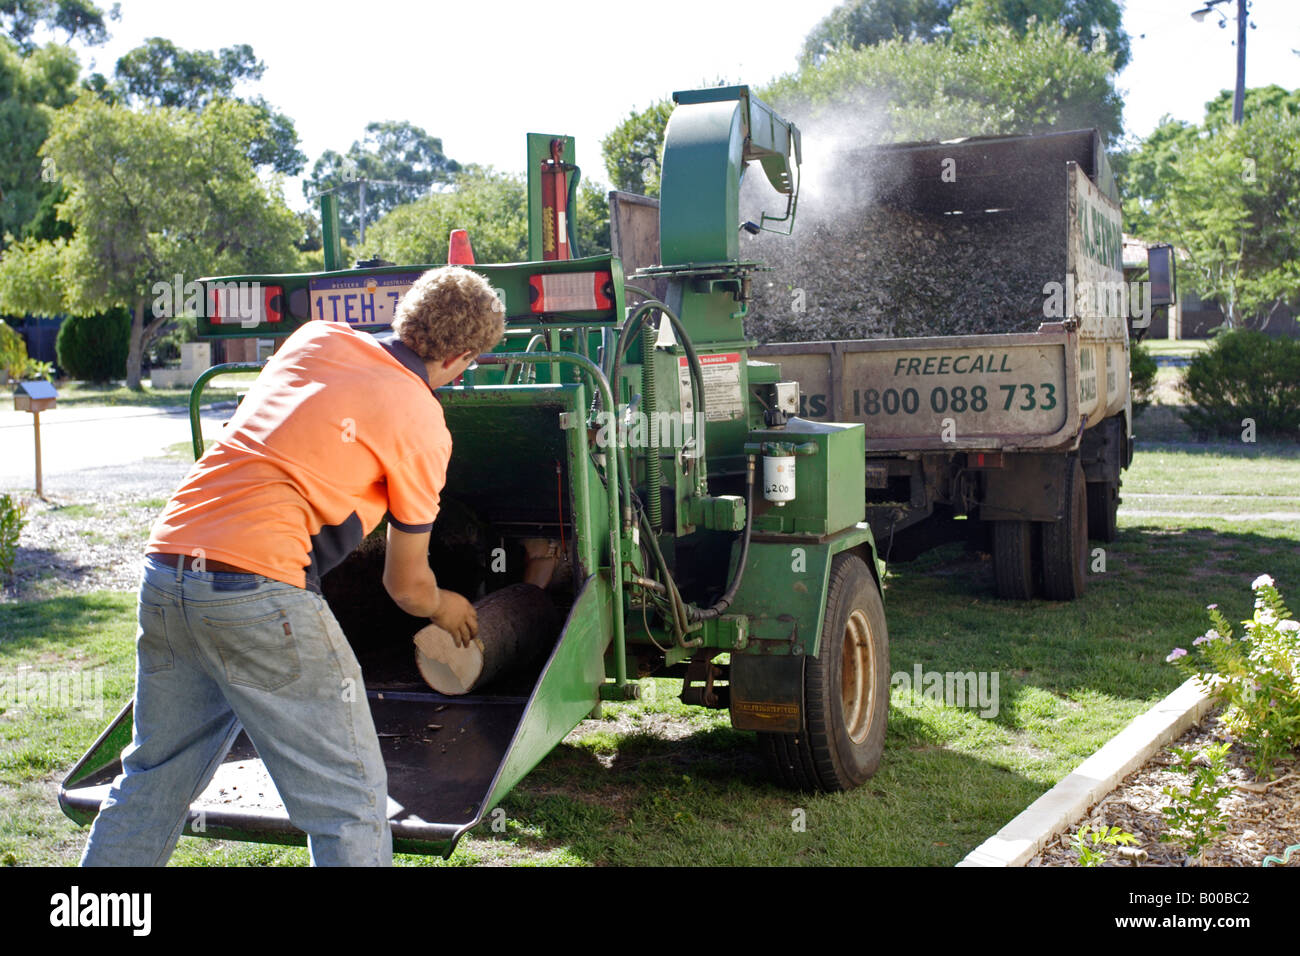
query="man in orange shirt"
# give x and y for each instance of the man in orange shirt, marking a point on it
(340, 430)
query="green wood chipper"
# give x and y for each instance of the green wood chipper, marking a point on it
(705, 531)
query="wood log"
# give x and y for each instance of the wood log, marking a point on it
(515, 626)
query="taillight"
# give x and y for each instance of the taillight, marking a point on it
(571, 292)
(248, 304)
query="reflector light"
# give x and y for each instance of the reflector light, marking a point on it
(571, 292)
(247, 304)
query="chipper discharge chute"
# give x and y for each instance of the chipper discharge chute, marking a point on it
(699, 528)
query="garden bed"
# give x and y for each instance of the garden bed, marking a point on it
(1263, 817)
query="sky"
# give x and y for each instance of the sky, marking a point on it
(481, 74)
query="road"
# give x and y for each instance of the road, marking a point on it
(83, 448)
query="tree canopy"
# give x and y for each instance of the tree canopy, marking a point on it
(152, 193)
(390, 151)
(159, 73)
(858, 23)
(32, 87)
(898, 90)
(493, 207)
(75, 19)
(1228, 197)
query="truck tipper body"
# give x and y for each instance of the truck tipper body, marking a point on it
(1014, 441)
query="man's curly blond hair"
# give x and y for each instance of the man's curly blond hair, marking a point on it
(449, 311)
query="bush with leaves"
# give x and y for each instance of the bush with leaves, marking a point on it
(1142, 377)
(1245, 374)
(93, 348)
(1257, 675)
(11, 526)
(1195, 817)
(13, 353)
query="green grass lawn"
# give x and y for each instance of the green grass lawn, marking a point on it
(87, 394)
(1182, 347)
(661, 784)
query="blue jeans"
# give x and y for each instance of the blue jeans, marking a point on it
(217, 651)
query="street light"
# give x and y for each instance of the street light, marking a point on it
(1239, 97)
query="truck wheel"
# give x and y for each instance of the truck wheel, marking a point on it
(1103, 510)
(846, 692)
(1065, 542)
(1013, 559)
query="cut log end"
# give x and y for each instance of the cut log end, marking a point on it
(515, 625)
(446, 667)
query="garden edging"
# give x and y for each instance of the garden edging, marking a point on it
(1068, 801)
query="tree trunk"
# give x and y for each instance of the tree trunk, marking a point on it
(516, 625)
(135, 353)
(142, 336)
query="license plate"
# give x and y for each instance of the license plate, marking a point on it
(360, 301)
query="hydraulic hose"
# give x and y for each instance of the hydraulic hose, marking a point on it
(720, 606)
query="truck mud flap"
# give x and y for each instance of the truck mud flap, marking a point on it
(441, 782)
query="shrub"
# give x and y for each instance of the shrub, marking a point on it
(11, 526)
(93, 348)
(1258, 676)
(13, 353)
(1142, 382)
(1245, 374)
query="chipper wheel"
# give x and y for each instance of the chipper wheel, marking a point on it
(1065, 542)
(846, 691)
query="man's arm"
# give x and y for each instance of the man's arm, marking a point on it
(411, 583)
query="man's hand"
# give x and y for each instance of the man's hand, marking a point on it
(457, 617)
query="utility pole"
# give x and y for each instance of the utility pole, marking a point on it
(1239, 99)
(1239, 96)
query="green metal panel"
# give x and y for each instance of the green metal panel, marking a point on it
(700, 184)
(830, 482)
(329, 224)
(784, 589)
(568, 689)
(510, 279)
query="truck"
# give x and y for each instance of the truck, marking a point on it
(1013, 441)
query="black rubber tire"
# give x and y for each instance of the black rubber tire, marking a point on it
(1103, 510)
(1065, 542)
(826, 757)
(1013, 559)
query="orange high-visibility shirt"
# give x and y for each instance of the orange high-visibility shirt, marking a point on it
(339, 429)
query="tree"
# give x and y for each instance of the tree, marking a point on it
(162, 74)
(152, 194)
(492, 207)
(1096, 24)
(1229, 198)
(159, 73)
(859, 23)
(1005, 84)
(31, 88)
(634, 149)
(868, 22)
(76, 19)
(391, 151)
(898, 91)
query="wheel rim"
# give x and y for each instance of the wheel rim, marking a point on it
(857, 677)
